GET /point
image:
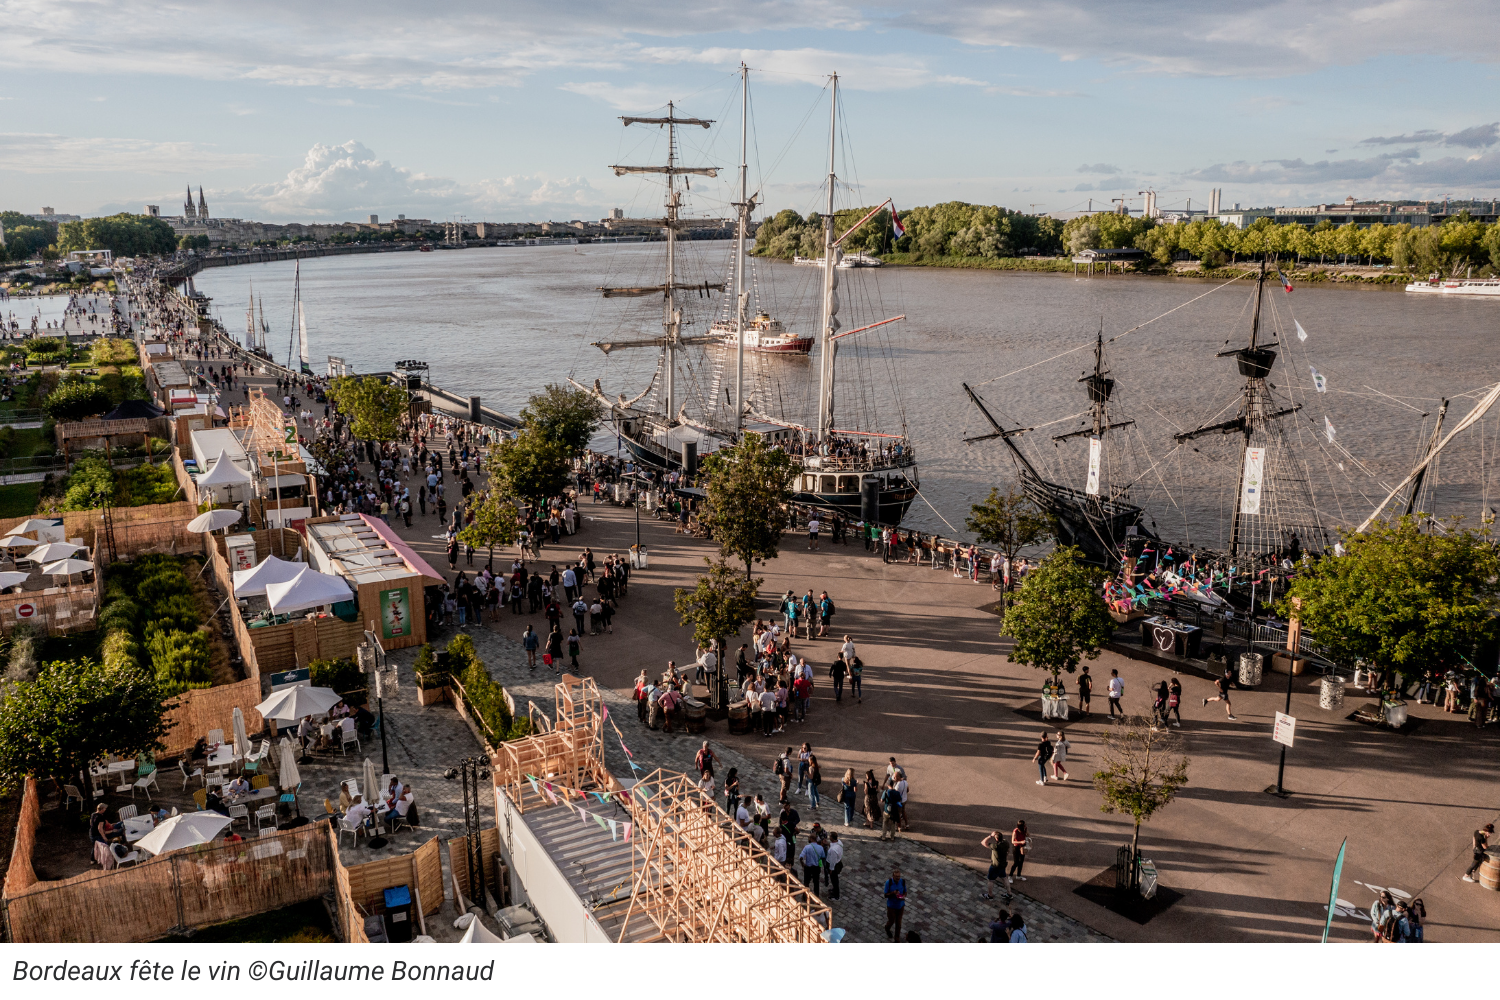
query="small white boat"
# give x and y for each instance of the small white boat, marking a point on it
(860, 259)
(764, 335)
(1457, 286)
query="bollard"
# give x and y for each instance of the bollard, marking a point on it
(1251, 666)
(1331, 693)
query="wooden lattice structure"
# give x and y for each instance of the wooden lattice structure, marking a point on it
(699, 878)
(88, 431)
(272, 440)
(571, 755)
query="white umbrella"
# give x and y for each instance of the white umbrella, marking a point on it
(17, 542)
(373, 791)
(291, 704)
(308, 589)
(213, 520)
(67, 567)
(10, 579)
(290, 778)
(34, 525)
(241, 738)
(53, 551)
(185, 830)
(252, 582)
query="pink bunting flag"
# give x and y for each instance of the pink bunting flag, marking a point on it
(629, 828)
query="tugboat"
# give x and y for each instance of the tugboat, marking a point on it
(762, 335)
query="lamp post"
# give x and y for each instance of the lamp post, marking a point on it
(372, 659)
(472, 770)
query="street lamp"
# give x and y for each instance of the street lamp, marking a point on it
(473, 770)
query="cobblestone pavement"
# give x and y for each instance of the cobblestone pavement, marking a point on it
(943, 901)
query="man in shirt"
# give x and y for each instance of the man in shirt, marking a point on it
(802, 688)
(569, 582)
(1116, 692)
(813, 527)
(1222, 684)
(812, 864)
(768, 720)
(778, 847)
(895, 904)
(833, 863)
(1481, 846)
(837, 672)
(1085, 688)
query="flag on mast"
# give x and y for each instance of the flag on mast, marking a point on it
(1285, 281)
(896, 225)
(302, 346)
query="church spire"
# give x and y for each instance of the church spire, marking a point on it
(202, 205)
(188, 212)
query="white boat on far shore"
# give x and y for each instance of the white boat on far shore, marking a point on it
(860, 259)
(1457, 286)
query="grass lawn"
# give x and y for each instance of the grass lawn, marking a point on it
(301, 923)
(19, 499)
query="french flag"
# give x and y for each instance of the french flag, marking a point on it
(896, 225)
(1285, 281)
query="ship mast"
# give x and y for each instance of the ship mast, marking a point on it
(250, 321)
(830, 283)
(745, 206)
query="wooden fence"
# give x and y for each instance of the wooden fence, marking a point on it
(458, 866)
(421, 871)
(191, 888)
(21, 875)
(159, 527)
(193, 713)
(69, 609)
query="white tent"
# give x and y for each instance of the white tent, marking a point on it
(184, 830)
(308, 589)
(224, 473)
(477, 933)
(294, 703)
(213, 520)
(252, 582)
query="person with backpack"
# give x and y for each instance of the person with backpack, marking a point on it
(1042, 755)
(573, 644)
(825, 613)
(783, 770)
(1017, 929)
(890, 808)
(895, 904)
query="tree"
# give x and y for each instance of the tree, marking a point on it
(719, 606)
(76, 400)
(1011, 522)
(494, 522)
(1402, 598)
(74, 712)
(528, 467)
(125, 234)
(1059, 617)
(748, 490)
(564, 415)
(1142, 773)
(374, 406)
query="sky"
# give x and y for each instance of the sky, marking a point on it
(508, 111)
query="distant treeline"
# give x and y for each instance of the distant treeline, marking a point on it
(126, 235)
(953, 228)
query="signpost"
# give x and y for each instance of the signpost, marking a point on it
(1286, 726)
(25, 610)
(1333, 892)
(1286, 729)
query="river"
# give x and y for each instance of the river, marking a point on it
(501, 322)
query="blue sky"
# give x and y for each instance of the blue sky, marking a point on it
(289, 111)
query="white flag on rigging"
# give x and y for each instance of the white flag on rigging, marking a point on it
(1255, 466)
(1328, 428)
(1301, 333)
(1092, 489)
(1319, 382)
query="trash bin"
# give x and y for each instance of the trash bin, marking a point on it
(397, 914)
(1331, 693)
(1148, 878)
(638, 557)
(1395, 714)
(1251, 665)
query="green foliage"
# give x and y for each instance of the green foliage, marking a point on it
(340, 675)
(719, 605)
(373, 406)
(1142, 772)
(125, 234)
(486, 699)
(1008, 521)
(1058, 618)
(147, 484)
(564, 416)
(429, 674)
(22, 664)
(119, 650)
(1400, 597)
(113, 351)
(76, 400)
(528, 467)
(180, 660)
(25, 237)
(91, 485)
(748, 489)
(199, 242)
(951, 228)
(76, 711)
(119, 615)
(45, 345)
(494, 522)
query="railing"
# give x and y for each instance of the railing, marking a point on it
(831, 463)
(16, 415)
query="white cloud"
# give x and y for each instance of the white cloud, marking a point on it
(1387, 175)
(46, 153)
(875, 71)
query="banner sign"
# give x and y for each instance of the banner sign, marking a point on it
(1254, 480)
(395, 614)
(1093, 485)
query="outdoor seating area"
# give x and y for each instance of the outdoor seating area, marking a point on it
(50, 578)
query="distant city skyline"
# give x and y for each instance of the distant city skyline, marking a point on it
(507, 112)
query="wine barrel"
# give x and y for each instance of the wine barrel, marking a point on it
(1489, 872)
(694, 715)
(739, 717)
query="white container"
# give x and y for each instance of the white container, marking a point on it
(1331, 693)
(1252, 665)
(1395, 714)
(241, 551)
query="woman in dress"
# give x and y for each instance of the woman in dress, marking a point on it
(872, 800)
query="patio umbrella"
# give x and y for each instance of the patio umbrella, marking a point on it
(10, 579)
(241, 738)
(40, 527)
(67, 567)
(184, 830)
(291, 704)
(213, 520)
(53, 551)
(17, 542)
(373, 793)
(290, 777)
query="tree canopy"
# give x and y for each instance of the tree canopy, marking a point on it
(74, 712)
(125, 234)
(529, 467)
(374, 406)
(1009, 521)
(563, 414)
(748, 488)
(1401, 597)
(719, 605)
(24, 236)
(1142, 772)
(494, 522)
(953, 228)
(1059, 618)
(76, 400)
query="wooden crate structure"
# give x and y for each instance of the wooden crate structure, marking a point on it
(700, 879)
(571, 755)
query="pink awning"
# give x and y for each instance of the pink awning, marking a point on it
(414, 562)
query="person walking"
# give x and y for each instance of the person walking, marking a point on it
(998, 844)
(573, 644)
(1223, 686)
(803, 757)
(1382, 912)
(833, 864)
(1020, 846)
(731, 790)
(1174, 701)
(848, 796)
(1085, 688)
(783, 766)
(895, 904)
(1017, 929)
(890, 807)
(530, 641)
(837, 672)
(1059, 756)
(1042, 756)
(1481, 846)
(856, 678)
(812, 864)
(814, 780)
(1116, 692)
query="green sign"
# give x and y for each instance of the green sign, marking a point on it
(1333, 892)
(291, 433)
(395, 614)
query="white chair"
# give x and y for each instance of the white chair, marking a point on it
(264, 813)
(215, 736)
(347, 737)
(122, 856)
(197, 772)
(346, 827)
(217, 778)
(72, 793)
(239, 813)
(268, 833)
(128, 812)
(145, 784)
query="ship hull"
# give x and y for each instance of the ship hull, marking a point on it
(894, 503)
(800, 347)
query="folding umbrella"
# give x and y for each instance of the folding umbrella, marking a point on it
(53, 551)
(184, 830)
(213, 520)
(241, 738)
(291, 704)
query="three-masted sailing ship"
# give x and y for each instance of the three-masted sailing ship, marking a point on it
(857, 471)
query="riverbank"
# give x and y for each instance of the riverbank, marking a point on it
(1304, 271)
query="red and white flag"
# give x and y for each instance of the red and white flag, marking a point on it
(1285, 281)
(896, 225)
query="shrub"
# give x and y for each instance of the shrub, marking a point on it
(485, 698)
(146, 484)
(119, 650)
(176, 613)
(111, 351)
(76, 400)
(180, 660)
(119, 616)
(90, 485)
(44, 345)
(341, 675)
(23, 663)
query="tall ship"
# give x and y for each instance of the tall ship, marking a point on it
(851, 462)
